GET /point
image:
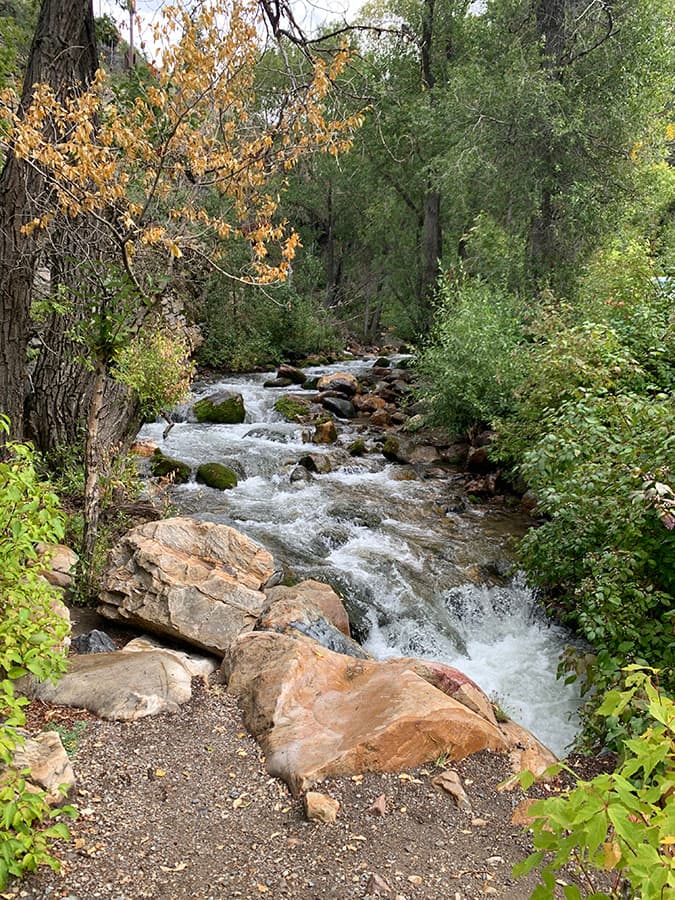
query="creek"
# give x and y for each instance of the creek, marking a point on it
(423, 572)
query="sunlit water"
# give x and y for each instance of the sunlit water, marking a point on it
(417, 580)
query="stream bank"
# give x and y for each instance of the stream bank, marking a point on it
(424, 569)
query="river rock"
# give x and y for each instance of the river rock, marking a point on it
(318, 713)
(289, 611)
(221, 408)
(124, 686)
(342, 382)
(300, 475)
(48, 762)
(316, 462)
(199, 582)
(325, 432)
(277, 383)
(525, 751)
(93, 641)
(292, 373)
(163, 466)
(317, 594)
(216, 476)
(340, 407)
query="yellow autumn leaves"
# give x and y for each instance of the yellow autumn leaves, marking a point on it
(145, 161)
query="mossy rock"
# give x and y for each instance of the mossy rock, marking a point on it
(310, 384)
(391, 449)
(225, 408)
(357, 447)
(163, 466)
(217, 476)
(382, 362)
(290, 409)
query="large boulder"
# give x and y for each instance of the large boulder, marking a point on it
(292, 610)
(341, 382)
(317, 713)
(118, 685)
(198, 582)
(314, 593)
(163, 466)
(221, 408)
(217, 476)
(292, 373)
(339, 406)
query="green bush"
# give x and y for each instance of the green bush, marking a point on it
(246, 328)
(472, 367)
(620, 825)
(605, 553)
(30, 641)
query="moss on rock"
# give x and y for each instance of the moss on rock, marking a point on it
(221, 409)
(217, 476)
(290, 409)
(163, 466)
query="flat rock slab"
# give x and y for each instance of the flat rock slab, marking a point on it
(317, 713)
(119, 685)
(198, 582)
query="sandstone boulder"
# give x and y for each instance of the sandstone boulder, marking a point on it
(60, 563)
(321, 808)
(318, 594)
(325, 433)
(525, 751)
(318, 713)
(198, 582)
(289, 613)
(48, 762)
(118, 685)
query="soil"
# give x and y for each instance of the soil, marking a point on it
(179, 806)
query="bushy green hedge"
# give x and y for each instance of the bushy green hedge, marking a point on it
(30, 642)
(581, 395)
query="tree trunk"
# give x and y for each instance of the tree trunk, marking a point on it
(92, 465)
(63, 55)
(432, 250)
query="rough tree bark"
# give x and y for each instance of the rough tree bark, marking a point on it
(63, 55)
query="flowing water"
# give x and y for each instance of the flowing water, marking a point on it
(422, 572)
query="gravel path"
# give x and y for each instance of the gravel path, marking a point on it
(181, 806)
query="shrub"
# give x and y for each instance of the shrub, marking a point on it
(471, 368)
(30, 638)
(619, 824)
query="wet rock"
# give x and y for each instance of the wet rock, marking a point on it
(310, 384)
(382, 362)
(277, 383)
(380, 418)
(342, 382)
(93, 641)
(300, 475)
(321, 808)
(293, 409)
(482, 485)
(529, 502)
(357, 447)
(217, 476)
(287, 616)
(320, 713)
(221, 408)
(342, 408)
(199, 582)
(163, 466)
(369, 403)
(268, 434)
(292, 373)
(316, 462)
(120, 686)
(477, 460)
(317, 594)
(325, 433)
(48, 762)
(450, 783)
(364, 518)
